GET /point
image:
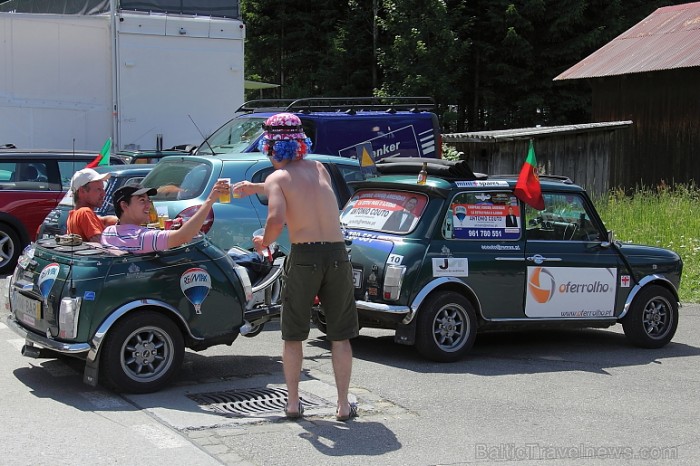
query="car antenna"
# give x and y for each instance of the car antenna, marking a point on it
(206, 140)
(72, 262)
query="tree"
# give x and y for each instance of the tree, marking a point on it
(422, 54)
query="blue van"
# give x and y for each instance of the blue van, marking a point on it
(390, 126)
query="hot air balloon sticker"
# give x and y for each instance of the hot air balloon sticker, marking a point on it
(47, 277)
(195, 283)
(461, 214)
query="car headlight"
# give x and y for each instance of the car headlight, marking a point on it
(68, 315)
(393, 279)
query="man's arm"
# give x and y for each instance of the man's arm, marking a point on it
(276, 212)
(246, 188)
(108, 220)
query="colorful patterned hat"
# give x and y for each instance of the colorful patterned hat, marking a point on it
(284, 138)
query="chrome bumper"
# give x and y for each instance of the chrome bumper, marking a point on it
(34, 339)
(379, 307)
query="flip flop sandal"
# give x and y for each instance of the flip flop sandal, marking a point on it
(351, 414)
(296, 414)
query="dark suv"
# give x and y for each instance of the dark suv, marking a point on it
(32, 182)
(343, 126)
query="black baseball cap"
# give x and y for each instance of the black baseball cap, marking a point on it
(126, 192)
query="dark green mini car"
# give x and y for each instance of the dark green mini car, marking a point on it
(132, 316)
(460, 254)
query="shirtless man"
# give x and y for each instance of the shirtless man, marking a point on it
(88, 194)
(300, 194)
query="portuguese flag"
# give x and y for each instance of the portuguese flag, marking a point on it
(527, 189)
(103, 157)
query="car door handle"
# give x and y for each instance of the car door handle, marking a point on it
(538, 259)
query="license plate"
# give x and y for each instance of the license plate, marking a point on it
(27, 306)
(357, 278)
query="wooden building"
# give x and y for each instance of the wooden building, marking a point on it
(581, 152)
(650, 74)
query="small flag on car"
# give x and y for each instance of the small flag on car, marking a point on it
(103, 157)
(528, 189)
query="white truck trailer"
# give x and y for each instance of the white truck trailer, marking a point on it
(74, 73)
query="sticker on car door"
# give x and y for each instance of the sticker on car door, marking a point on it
(570, 292)
(450, 267)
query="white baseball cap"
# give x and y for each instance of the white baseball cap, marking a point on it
(85, 176)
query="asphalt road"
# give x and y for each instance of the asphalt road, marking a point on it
(546, 397)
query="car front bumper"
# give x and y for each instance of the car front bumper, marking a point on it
(40, 341)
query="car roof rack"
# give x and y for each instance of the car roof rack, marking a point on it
(446, 169)
(350, 105)
(560, 178)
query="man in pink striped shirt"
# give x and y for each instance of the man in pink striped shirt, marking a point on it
(132, 206)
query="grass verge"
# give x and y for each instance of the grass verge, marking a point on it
(664, 217)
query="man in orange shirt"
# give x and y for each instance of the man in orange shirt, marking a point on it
(88, 194)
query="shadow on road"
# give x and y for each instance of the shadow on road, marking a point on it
(523, 352)
(352, 438)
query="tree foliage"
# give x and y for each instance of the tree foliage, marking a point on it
(489, 64)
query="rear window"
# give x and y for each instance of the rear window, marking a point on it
(383, 210)
(185, 179)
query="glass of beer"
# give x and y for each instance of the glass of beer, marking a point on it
(225, 198)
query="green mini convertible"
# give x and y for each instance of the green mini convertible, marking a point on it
(130, 316)
(439, 261)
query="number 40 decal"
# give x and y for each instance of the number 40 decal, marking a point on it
(394, 259)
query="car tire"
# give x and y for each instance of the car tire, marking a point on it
(142, 352)
(652, 319)
(319, 319)
(446, 327)
(10, 249)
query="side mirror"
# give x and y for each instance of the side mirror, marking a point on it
(610, 239)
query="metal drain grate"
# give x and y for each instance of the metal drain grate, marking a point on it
(251, 402)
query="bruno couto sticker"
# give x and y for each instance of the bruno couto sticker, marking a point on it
(573, 292)
(195, 283)
(47, 277)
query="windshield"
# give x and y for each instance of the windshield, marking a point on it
(184, 179)
(235, 136)
(385, 211)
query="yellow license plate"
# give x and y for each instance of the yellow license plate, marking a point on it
(27, 306)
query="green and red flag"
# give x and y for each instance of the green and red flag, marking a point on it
(528, 189)
(103, 157)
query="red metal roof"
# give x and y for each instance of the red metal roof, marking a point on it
(666, 39)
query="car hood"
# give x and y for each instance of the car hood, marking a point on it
(649, 260)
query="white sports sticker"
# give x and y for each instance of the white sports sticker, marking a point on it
(482, 183)
(450, 267)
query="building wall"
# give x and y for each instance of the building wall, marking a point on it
(583, 157)
(662, 145)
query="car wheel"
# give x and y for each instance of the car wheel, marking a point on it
(652, 318)
(142, 352)
(319, 319)
(446, 327)
(10, 249)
